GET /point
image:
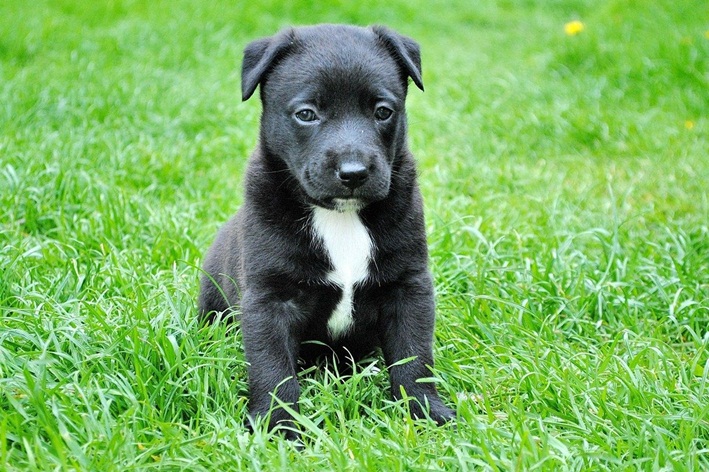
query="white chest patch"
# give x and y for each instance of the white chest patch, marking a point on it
(349, 247)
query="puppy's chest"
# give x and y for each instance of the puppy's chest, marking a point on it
(349, 247)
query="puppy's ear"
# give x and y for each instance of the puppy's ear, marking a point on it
(259, 56)
(405, 50)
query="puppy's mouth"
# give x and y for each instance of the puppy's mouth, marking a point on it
(332, 194)
(348, 204)
(338, 200)
(341, 205)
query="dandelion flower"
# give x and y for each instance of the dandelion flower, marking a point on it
(689, 124)
(572, 28)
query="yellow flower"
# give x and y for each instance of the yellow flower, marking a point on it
(572, 28)
(689, 124)
(706, 34)
(687, 41)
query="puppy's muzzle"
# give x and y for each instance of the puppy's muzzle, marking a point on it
(360, 174)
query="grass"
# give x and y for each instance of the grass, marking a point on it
(565, 180)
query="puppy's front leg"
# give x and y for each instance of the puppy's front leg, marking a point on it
(408, 322)
(271, 349)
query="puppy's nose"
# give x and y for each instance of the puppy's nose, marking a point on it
(352, 174)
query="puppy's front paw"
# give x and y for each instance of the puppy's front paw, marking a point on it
(441, 414)
(281, 424)
(432, 408)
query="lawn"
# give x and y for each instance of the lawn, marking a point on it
(565, 175)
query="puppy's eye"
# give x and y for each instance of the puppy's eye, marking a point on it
(383, 113)
(307, 115)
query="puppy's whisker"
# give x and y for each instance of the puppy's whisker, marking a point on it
(279, 171)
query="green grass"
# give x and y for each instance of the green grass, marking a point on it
(565, 180)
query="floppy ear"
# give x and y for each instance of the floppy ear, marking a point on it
(405, 50)
(259, 56)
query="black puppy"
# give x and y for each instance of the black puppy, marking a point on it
(329, 244)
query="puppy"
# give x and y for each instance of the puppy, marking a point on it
(329, 245)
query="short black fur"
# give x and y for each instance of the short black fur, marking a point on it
(266, 262)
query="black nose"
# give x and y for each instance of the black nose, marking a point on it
(352, 174)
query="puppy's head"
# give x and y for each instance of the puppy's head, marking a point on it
(333, 107)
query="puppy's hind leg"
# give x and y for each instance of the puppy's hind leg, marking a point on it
(211, 299)
(219, 290)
